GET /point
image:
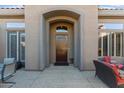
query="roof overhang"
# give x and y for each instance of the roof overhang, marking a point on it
(11, 13)
(111, 14)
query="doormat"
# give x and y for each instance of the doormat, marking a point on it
(61, 64)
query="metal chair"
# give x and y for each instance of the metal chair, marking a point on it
(7, 70)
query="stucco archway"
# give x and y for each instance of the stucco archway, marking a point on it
(63, 15)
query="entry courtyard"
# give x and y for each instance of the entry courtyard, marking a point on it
(55, 77)
(60, 36)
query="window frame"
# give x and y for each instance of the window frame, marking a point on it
(108, 42)
(8, 43)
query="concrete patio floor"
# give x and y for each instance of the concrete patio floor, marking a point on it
(56, 77)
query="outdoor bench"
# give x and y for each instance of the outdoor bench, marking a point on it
(108, 73)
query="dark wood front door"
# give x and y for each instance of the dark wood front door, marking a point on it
(61, 49)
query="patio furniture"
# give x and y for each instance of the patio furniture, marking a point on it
(109, 74)
(108, 59)
(7, 69)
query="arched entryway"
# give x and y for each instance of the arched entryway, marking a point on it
(70, 39)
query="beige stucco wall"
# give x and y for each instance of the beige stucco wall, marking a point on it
(89, 38)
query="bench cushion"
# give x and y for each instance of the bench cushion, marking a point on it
(107, 59)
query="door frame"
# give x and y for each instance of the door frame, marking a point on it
(8, 43)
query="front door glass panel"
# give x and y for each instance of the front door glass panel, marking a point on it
(61, 48)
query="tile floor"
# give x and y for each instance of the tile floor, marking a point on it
(56, 77)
